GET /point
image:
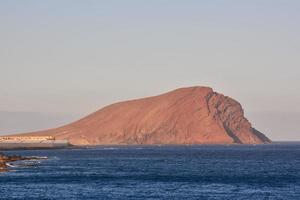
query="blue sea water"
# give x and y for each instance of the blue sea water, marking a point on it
(157, 172)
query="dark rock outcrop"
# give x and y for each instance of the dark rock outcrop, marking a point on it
(8, 159)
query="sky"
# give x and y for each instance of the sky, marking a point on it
(63, 59)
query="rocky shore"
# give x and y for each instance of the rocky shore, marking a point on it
(7, 159)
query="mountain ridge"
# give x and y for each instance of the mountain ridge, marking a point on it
(192, 115)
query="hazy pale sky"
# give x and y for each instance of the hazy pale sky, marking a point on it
(61, 60)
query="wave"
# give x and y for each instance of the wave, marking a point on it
(10, 165)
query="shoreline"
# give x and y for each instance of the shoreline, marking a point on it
(36, 148)
(141, 145)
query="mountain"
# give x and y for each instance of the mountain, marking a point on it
(194, 115)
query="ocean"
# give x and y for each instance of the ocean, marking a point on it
(157, 172)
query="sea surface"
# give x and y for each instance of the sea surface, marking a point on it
(157, 172)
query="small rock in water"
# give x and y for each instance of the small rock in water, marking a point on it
(4, 160)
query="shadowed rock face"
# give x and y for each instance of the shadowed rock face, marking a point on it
(2, 163)
(195, 115)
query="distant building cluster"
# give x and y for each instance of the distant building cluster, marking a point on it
(27, 142)
(26, 138)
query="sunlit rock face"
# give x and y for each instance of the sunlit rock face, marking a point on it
(194, 115)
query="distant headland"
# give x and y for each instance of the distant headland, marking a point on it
(194, 115)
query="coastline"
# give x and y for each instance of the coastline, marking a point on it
(144, 145)
(36, 148)
(136, 145)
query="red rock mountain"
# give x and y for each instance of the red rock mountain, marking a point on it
(195, 115)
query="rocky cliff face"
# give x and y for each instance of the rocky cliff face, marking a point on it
(195, 115)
